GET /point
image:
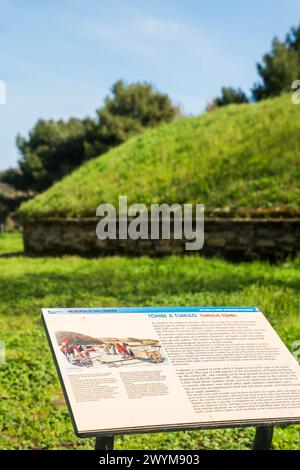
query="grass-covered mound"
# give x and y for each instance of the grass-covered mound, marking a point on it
(238, 157)
(33, 414)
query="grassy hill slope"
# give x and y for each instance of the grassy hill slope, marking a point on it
(245, 156)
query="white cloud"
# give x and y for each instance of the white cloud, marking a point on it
(155, 37)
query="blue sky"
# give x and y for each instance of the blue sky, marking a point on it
(60, 58)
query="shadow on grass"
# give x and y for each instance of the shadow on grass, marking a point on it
(17, 254)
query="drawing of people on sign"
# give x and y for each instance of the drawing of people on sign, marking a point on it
(85, 351)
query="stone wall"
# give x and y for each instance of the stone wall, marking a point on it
(236, 239)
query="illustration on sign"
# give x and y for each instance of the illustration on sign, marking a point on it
(85, 351)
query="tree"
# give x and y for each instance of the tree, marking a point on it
(55, 148)
(279, 67)
(130, 109)
(229, 95)
(293, 39)
(52, 150)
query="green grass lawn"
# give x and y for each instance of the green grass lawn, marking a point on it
(32, 412)
(237, 157)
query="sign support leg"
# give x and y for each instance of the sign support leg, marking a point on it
(263, 438)
(104, 443)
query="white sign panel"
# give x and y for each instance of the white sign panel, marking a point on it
(140, 369)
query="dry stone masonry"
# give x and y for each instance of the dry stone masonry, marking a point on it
(237, 239)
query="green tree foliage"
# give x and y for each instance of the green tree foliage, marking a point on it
(279, 67)
(54, 148)
(229, 95)
(293, 39)
(129, 109)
